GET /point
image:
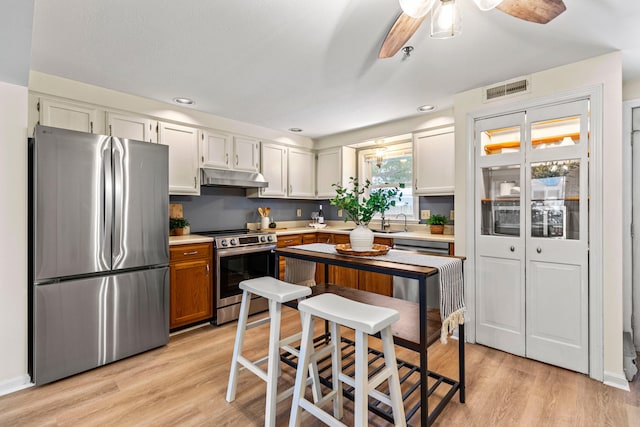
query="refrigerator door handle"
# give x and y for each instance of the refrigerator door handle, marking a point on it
(107, 205)
(118, 195)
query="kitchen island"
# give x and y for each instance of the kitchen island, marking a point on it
(411, 314)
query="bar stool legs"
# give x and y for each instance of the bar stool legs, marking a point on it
(276, 292)
(365, 320)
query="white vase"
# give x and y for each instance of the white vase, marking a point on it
(361, 238)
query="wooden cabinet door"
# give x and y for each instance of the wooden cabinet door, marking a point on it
(191, 291)
(283, 242)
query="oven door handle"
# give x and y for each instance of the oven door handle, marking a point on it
(223, 252)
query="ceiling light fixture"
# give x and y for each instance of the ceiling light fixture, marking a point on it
(425, 108)
(446, 21)
(485, 5)
(184, 101)
(296, 130)
(416, 8)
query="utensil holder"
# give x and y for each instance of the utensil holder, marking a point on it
(264, 222)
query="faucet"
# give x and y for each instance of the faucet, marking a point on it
(405, 220)
(384, 223)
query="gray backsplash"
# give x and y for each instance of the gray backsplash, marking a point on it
(219, 208)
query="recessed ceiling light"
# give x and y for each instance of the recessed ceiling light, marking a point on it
(296, 130)
(425, 108)
(183, 101)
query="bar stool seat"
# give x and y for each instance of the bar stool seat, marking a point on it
(366, 320)
(276, 292)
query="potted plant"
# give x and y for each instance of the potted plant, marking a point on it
(436, 223)
(177, 226)
(361, 209)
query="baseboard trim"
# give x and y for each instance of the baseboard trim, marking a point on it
(617, 380)
(15, 384)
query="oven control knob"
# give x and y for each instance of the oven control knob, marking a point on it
(270, 238)
(233, 242)
(223, 243)
(263, 238)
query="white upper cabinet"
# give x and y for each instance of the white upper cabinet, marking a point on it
(184, 165)
(274, 170)
(334, 166)
(68, 115)
(215, 150)
(434, 162)
(290, 172)
(245, 154)
(302, 173)
(132, 127)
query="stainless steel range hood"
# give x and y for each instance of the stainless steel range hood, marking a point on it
(228, 178)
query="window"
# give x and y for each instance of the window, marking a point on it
(391, 166)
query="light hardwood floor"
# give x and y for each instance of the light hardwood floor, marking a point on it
(184, 384)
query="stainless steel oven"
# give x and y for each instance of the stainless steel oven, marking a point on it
(238, 257)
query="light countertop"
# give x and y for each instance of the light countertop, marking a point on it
(189, 238)
(410, 235)
(294, 227)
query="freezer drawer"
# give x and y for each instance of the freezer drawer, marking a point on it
(81, 324)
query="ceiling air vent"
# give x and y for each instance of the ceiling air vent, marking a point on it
(505, 89)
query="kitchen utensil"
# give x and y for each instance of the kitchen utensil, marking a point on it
(261, 212)
(267, 210)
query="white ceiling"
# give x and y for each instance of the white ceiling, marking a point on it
(310, 64)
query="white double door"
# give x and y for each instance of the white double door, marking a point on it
(531, 227)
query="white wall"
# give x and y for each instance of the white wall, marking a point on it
(13, 250)
(436, 119)
(604, 71)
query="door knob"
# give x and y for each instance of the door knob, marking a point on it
(539, 250)
(512, 248)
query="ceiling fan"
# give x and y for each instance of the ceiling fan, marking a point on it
(415, 12)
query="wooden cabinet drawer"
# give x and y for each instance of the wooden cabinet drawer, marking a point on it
(340, 238)
(383, 241)
(324, 238)
(190, 251)
(291, 240)
(308, 238)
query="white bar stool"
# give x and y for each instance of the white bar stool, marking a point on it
(365, 320)
(276, 292)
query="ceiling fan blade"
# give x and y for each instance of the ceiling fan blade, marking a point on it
(538, 11)
(402, 30)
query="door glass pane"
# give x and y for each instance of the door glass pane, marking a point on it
(555, 133)
(499, 141)
(500, 201)
(555, 201)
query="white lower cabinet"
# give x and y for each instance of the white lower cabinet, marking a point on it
(184, 165)
(132, 127)
(334, 166)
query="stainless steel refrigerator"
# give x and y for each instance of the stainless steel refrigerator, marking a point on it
(99, 250)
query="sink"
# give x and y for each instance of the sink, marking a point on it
(388, 231)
